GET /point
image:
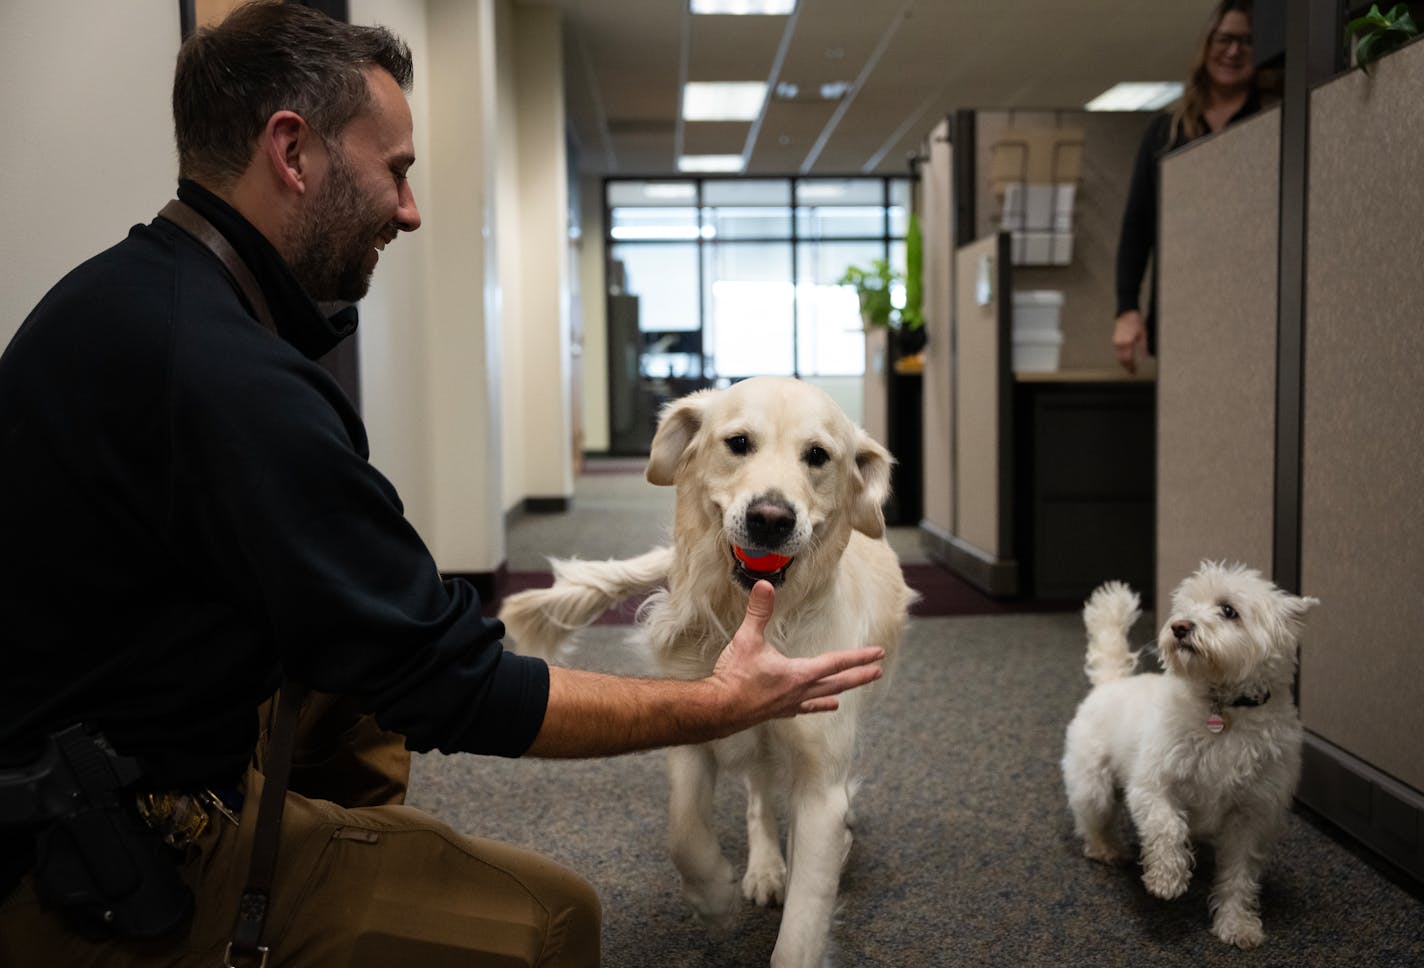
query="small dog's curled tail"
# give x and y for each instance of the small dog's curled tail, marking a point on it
(541, 620)
(1108, 615)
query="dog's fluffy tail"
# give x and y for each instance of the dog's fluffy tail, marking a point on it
(1108, 615)
(541, 620)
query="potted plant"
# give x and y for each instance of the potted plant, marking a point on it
(872, 286)
(904, 325)
(1376, 34)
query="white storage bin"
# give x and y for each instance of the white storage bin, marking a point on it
(1037, 351)
(1037, 310)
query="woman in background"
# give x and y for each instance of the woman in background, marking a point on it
(1221, 88)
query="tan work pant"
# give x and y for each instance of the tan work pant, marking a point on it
(372, 884)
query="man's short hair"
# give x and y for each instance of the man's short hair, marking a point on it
(267, 57)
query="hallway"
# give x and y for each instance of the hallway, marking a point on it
(964, 853)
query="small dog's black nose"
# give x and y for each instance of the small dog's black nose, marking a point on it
(1182, 629)
(770, 523)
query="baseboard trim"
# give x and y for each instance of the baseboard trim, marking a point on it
(1375, 809)
(989, 573)
(490, 585)
(547, 505)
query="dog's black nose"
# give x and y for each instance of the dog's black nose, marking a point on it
(1182, 629)
(770, 523)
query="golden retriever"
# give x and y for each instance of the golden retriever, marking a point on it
(773, 481)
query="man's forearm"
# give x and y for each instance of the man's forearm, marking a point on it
(590, 714)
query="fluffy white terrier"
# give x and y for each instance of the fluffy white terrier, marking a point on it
(1208, 751)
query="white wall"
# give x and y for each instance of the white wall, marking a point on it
(543, 264)
(88, 148)
(395, 401)
(593, 303)
(463, 349)
(88, 152)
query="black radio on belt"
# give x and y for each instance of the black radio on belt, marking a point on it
(94, 859)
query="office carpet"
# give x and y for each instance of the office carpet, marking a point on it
(941, 593)
(963, 852)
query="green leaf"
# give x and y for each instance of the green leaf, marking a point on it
(1365, 53)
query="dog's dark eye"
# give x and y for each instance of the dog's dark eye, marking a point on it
(738, 444)
(816, 456)
(1228, 611)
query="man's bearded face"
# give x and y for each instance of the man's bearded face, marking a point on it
(337, 237)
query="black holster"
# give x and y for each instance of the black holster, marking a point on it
(95, 860)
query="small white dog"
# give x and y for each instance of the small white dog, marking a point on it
(773, 481)
(1207, 751)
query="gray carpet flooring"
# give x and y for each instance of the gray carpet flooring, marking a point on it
(963, 851)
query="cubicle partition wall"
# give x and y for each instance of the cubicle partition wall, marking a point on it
(1231, 390)
(1216, 381)
(1362, 507)
(1110, 140)
(1038, 483)
(936, 205)
(980, 545)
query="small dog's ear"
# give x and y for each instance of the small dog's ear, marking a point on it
(872, 467)
(1298, 605)
(678, 424)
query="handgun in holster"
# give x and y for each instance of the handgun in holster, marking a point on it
(95, 860)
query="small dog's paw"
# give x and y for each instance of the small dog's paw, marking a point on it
(1243, 929)
(1104, 852)
(715, 903)
(765, 885)
(1164, 882)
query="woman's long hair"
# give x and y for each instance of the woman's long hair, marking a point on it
(1187, 113)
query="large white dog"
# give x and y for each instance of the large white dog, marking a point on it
(1208, 751)
(773, 482)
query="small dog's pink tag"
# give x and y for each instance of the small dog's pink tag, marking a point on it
(1215, 722)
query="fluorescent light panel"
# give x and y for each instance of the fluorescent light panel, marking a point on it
(720, 163)
(722, 100)
(1136, 96)
(774, 8)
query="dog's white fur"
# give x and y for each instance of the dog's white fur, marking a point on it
(1232, 635)
(843, 589)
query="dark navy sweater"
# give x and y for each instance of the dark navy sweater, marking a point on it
(187, 513)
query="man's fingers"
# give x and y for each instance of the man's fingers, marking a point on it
(841, 681)
(832, 662)
(827, 705)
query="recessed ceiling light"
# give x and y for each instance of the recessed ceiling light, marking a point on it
(741, 7)
(1136, 96)
(722, 100)
(679, 191)
(720, 163)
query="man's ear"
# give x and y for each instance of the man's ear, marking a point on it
(872, 468)
(286, 148)
(678, 424)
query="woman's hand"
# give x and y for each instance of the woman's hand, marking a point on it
(1130, 339)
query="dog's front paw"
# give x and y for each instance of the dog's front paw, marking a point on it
(1241, 928)
(715, 902)
(765, 884)
(1166, 881)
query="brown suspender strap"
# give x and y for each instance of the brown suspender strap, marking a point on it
(183, 216)
(246, 943)
(246, 940)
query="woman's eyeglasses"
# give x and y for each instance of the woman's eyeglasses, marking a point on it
(1224, 40)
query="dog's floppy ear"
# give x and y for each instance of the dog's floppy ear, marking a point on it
(872, 468)
(677, 426)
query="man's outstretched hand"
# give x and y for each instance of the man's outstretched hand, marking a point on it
(761, 683)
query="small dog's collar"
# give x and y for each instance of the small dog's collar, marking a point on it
(1253, 699)
(1218, 720)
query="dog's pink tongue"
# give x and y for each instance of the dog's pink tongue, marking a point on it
(766, 562)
